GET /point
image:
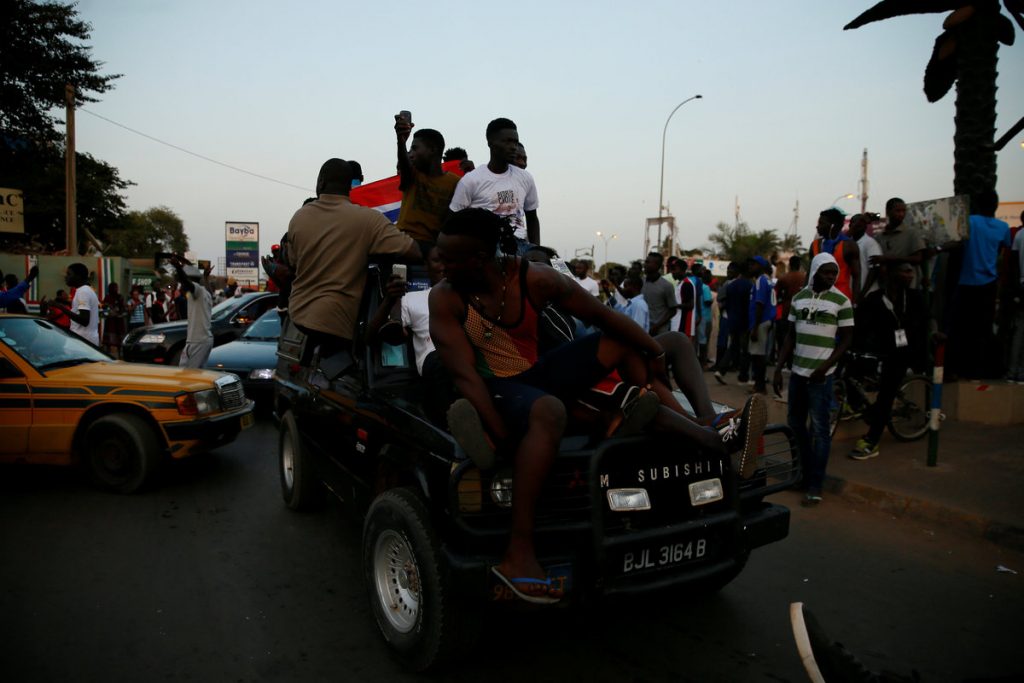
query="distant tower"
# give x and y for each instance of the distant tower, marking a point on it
(864, 181)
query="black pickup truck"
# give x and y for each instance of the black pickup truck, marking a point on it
(618, 517)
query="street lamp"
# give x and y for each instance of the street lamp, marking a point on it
(606, 239)
(842, 196)
(661, 186)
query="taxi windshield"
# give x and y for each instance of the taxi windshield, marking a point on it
(45, 346)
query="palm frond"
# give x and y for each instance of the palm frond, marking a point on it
(940, 74)
(1004, 30)
(1016, 10)
(888, 9)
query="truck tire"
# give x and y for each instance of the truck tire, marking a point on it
(122, 452)
(408, 585)
(300, 488)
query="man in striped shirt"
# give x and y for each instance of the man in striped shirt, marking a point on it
(821, 330)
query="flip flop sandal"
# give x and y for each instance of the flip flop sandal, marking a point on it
(513, 585)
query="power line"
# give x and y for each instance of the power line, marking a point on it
(195, 154)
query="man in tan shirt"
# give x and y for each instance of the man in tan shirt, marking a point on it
(330, 242)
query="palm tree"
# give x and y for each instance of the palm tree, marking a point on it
(738, 243)
(965, 53)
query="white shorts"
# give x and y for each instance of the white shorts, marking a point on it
(760, 347)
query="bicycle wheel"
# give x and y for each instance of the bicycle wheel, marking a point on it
(835, 411)
(909, 418)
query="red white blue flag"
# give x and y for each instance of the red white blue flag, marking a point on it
(384, 196)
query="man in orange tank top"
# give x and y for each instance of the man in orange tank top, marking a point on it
(832, 240)
(483, 320)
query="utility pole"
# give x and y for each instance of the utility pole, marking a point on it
(71, 227)
(796, 217)
(737, 223)
(864, 182)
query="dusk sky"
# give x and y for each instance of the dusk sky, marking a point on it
(790, 100)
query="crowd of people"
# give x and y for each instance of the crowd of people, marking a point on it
(105, 322)
(515, 352)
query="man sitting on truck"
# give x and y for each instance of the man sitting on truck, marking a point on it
(483, 320)
(331, 240)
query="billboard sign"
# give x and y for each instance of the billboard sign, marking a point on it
(242, 249)
(12, 213)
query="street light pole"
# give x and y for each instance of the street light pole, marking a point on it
(606, 238)
(661, 186)
(842, 196)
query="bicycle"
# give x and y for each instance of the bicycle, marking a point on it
(856, 385)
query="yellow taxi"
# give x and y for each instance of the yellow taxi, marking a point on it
(63, 401)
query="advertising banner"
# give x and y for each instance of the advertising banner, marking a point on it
(940, 220)
(242, 249)
(12, 213)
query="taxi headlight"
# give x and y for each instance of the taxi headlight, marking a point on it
(198, 403)
(152, 338)
(261, 373)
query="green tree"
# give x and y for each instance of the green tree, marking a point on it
(41, 51)
(965, 53)
(140, 234)
(739, 242)
(39, 172)
(42, 48)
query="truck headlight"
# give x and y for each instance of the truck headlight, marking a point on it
(707, 491)
(261, 373)
(628, 500)
(152, 338)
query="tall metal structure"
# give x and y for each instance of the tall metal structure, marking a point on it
(864, 181)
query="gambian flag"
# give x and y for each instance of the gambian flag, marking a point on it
(106, 272)
(384, 195)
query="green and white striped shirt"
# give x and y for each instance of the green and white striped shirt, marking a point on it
(817, 318)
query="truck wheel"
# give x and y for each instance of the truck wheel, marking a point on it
(300, 488)
(408, 586)
(122, 452)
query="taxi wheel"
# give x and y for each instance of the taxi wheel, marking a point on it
(411, 594)
(300, 488)
(122, 452)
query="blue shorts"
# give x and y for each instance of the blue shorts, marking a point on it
(566, 372)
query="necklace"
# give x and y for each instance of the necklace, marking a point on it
(489, 327)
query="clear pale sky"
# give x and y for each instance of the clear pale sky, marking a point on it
(790, 100)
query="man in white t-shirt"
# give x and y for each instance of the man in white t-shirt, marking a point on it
(868, 247)
(199, 338)
(583, 279)
(84, 312)
(501, 187)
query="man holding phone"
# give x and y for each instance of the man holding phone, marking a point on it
(426, 188)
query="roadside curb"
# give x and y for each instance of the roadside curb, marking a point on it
(904, 505)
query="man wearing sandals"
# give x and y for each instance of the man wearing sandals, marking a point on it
(483, 320)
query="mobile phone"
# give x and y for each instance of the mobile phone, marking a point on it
(400, 270)
(406, 116)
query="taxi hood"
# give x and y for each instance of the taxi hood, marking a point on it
(158, 378)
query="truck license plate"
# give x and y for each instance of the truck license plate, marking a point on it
(659, 557)
(248, 420)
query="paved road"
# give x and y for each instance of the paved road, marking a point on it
(210, 578)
